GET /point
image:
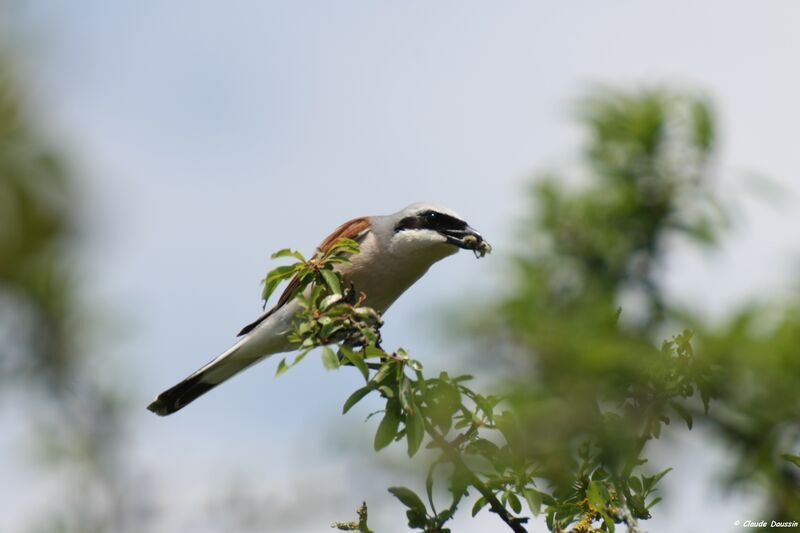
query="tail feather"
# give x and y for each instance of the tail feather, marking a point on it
(181, 395)
(217, 371)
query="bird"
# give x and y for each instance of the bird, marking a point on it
(394, 252)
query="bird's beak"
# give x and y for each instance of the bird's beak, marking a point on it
(468, 239)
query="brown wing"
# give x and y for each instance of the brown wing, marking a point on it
(355, 229)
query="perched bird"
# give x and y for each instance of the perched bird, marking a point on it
(395, 251)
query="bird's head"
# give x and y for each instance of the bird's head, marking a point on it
(434, 231)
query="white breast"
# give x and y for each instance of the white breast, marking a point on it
(385, 275)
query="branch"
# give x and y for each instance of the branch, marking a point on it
(453, 453)
(496, 507)
(360, 526)
(630, 520)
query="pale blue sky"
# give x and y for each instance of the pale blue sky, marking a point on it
(198, 129)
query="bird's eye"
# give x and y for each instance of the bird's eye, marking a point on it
(431, 217)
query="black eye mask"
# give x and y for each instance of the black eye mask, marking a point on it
(431, 220)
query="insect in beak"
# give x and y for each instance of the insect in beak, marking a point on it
(468, 239)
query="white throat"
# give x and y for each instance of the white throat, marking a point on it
(384, 270)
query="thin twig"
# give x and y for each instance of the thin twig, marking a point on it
(453, 454)
(496, 507)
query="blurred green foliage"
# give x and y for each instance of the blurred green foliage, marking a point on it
(35, 223)
(45, 368)
(758, 392)
(585, 305)
(644, 182)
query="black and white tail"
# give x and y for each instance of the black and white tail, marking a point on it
(200, 382)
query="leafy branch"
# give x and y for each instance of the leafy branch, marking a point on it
(478, 439)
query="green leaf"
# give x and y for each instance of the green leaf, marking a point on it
(372, 351)
(514, 503)
(534, 499)
(660, 475)
(507, 425)
(594, 493)
(337, 259)
(370, 335)
(329, 329)
(484, 447)
(408, 498)
(384, 372)
(484, 404)
(287, 252)
(444, 516)
(300, 357)
(683, 412)
(608, 522)
(315, 293)
(637, 507)
(356, 359)
(415, 429)
(479, 504)
(283, 272)
(548, 500)
(635, 484)
(274, 278)
(416, 519)
(355, 398)
(387, 429)
(655, 501)
(304, 327)
(405, 394)
(459, 481)
(795, 459)
(329, 359)
(329, 300)
(331, 280)
(703, 125)
(429, 482)
(343, 245)
(705, 395)
(269, 288)
(282, 367)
